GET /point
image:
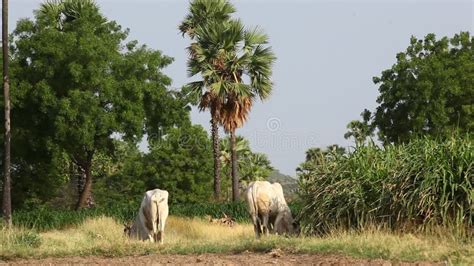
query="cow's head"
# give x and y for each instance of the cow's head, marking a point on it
(288, 225)
(296, 227)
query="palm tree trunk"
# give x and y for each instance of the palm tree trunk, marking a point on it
(235, 173)
(217, 162)
(7, 203)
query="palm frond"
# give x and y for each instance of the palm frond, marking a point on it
(202, 12)
(253, 37)
(50, 12)
(235, 112)
(73, 9)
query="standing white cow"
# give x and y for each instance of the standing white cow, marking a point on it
(151, 218)
(268, 209)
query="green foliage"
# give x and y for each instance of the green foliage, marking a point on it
(122, 184)
(317, 156)
(48, 219)
(428, 91)
(180, 162)
(76, 84)
(360, 130)
(252, 165)
(426, 182)
(202, 12)
(44, 219)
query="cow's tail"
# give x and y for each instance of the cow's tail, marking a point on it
(254, 201)
(158, 220)
(163, 211)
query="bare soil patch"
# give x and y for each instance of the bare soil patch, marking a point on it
(274, 257)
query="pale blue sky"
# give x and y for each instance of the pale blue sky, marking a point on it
(328, 52)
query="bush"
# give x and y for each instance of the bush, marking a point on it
(47, 219)
(412, 186)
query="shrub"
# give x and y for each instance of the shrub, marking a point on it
(423, 183)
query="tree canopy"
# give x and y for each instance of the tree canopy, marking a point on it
(78, 83)
(428, 91)
(181, 163)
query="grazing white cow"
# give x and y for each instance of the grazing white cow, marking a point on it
(151, 218)
(268, 209)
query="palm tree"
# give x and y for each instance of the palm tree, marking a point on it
(202, 12)
(236, 66)
(7, 204)
(255, 166)
(252, 166)
(234, 63)
(242, 147)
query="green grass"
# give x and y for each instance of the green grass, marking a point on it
(47, 219)
(104, 236)
(410, 187)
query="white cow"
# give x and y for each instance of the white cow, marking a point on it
(151, 218)
(268, 209)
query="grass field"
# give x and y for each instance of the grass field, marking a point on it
(103, 236)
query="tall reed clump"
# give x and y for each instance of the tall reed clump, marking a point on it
(426, 183)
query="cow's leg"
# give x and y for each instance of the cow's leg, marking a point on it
(160, 236)
(271, 224)
(154, 220)
(265, 223)
(151, 236)
(256, 225)
(163, 216)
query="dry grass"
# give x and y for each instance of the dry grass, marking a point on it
(104, 236)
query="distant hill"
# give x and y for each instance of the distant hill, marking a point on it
(288, 183)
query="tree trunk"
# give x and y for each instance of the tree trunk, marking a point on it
(81, 178)
(84, 196)
(7, 203)
(235, 173)
(217, 162)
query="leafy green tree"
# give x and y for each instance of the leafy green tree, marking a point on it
(78, 83)
(428, 91)
(120, 176)
(182, 164)
(202, 12)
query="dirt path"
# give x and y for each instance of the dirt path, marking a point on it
(227, 259)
